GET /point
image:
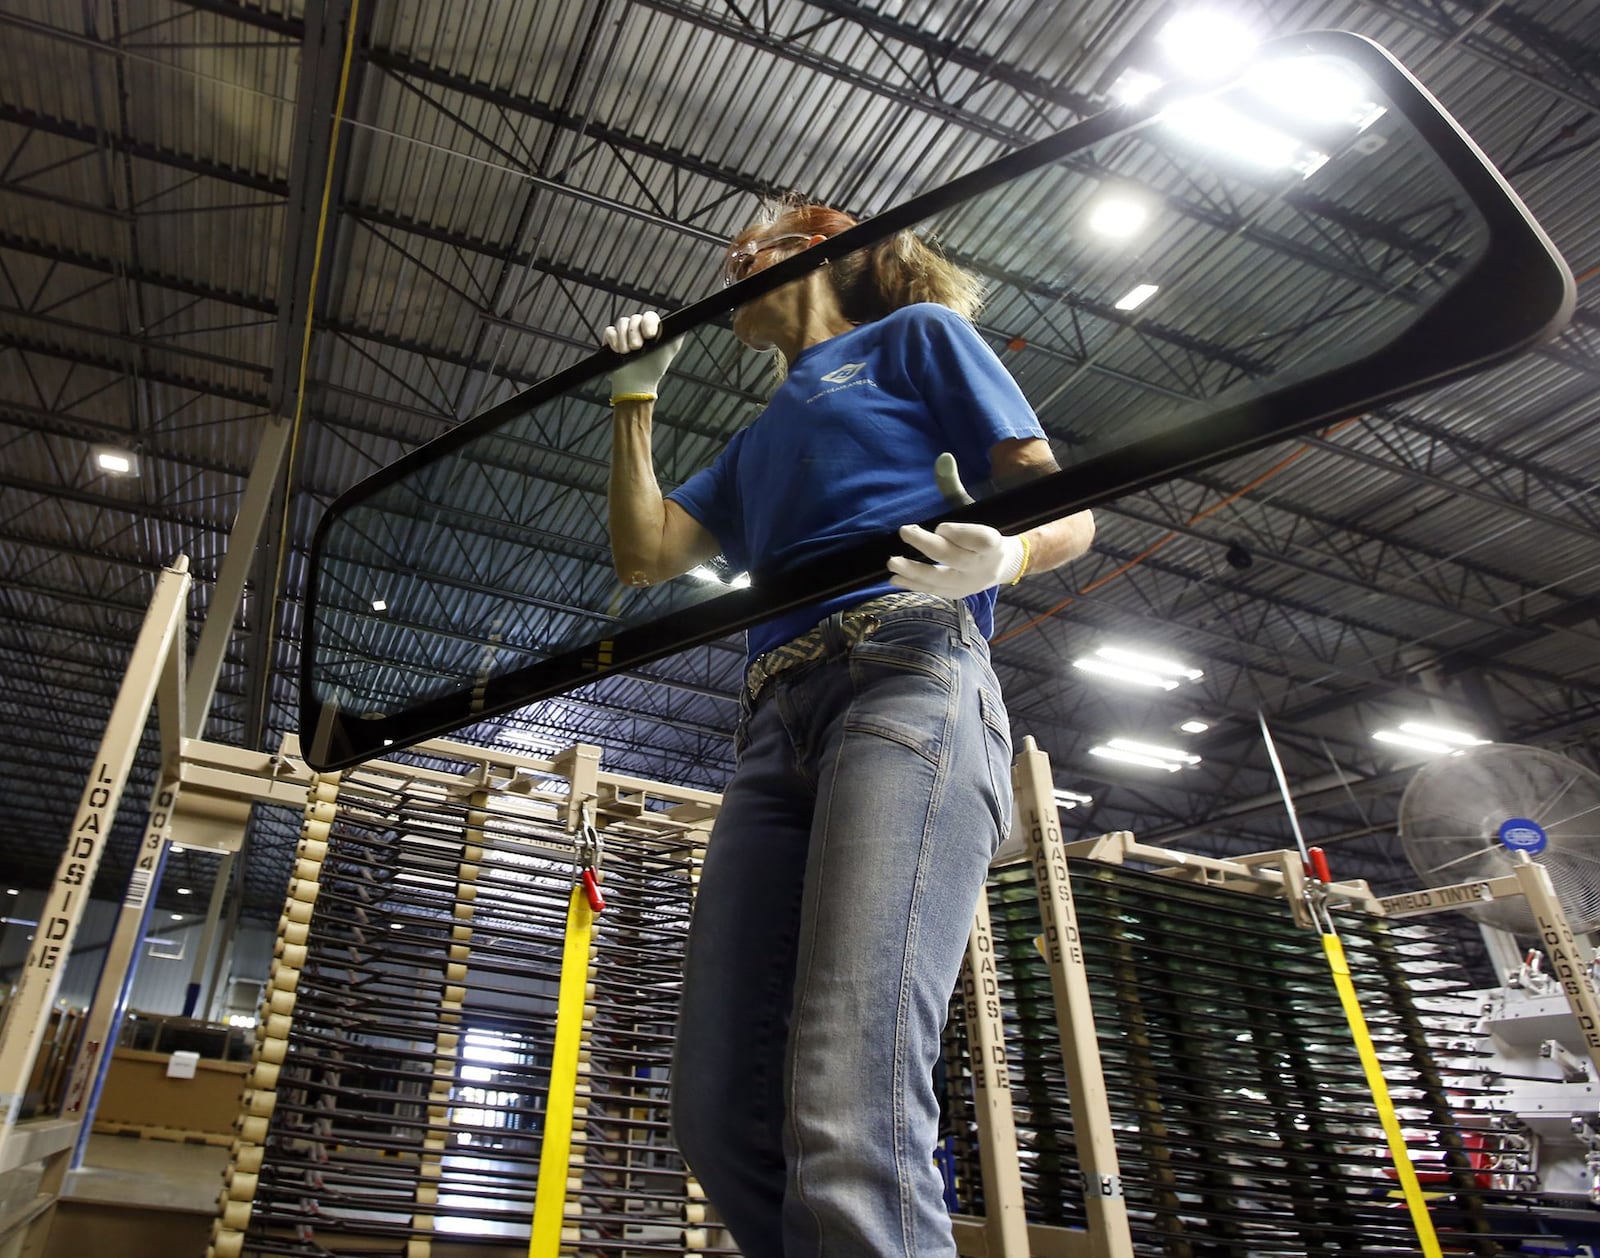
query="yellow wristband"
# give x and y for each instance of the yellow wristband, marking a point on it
(633, 397)
(1027, 554)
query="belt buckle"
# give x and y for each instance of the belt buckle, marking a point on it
(862, 626)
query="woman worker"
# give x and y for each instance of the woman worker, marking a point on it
(873, 751)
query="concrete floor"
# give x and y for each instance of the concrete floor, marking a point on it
(154, 1174)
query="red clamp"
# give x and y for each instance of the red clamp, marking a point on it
(589, 851)
(1318, 867)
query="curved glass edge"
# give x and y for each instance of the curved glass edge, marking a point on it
(1521, 278)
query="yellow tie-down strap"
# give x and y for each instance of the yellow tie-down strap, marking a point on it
(550, 1197)
(1409, 1185)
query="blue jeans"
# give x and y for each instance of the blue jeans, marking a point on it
(840, 881)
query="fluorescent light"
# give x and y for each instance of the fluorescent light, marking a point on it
(388, 742)
(12, 891)
(177, 917)
(177, 848)
(1195, 726)
(396, 926)
(114, 461)
(1132, 86)
(1137, 296)
(1315, 90)
(1441, 734)
(1118, 672)
(1118, 217)
(1205, 44)
(1133, 757)
(378, 605)
(1147, 749)
(1151, 663)
(1071, 799)
(1411, 741)
(1212, 124)
(185, 891)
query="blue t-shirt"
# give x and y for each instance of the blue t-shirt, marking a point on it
(846, 448)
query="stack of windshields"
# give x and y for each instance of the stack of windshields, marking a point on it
(411, 1104)
(1243, 1122)
(1170, 285)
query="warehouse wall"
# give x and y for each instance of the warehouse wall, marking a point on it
(160, 981)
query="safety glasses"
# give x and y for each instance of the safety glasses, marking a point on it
(741, 258)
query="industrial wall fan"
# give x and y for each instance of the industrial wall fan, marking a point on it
(1464, 816)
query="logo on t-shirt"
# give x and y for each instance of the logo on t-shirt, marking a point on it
(841, 374)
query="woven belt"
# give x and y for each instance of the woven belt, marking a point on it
(856, 625)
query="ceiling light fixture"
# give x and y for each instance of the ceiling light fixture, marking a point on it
(114, 461)
(1132, 86)
(1194, 726)
(1316, 91)
(1118, 217)
(185, 891)
(1151, 663)
(1148, 749)
(1133, 757)
(1071, 799)
(1204, 44)
(1210, 123)
(1442, 734)
(1120, 672)
(1130, 751)
(702, 573)
(378, 605)
(1432, 746)
(1137, 296)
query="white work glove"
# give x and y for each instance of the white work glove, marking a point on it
(967, 558)
(640, 376)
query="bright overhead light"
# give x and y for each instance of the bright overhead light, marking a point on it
(396, 926)
(177, 917)
(114, 461)
(185, 891)
(1213, 125)
(1147, 749)
(1195, 726)
(1118, 217)
(1204, 44)
(1120, 672)
(177, 848)
(1137, 296)
(1133, 757)
(1429, 745)
(1441, 734)
(1316, 91)
(1130, 751)
(702, 573)
(1151, 663)
(378, 605)
(1071, 799)
(12, 891)
(1132, 86)
(741, 581)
